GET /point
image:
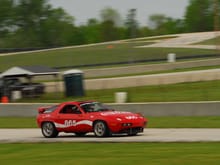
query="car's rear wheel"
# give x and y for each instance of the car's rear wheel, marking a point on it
(101, 129)
(49, 130)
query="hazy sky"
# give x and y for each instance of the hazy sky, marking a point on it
(82, 10)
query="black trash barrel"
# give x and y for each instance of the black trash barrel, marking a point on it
(73, 81)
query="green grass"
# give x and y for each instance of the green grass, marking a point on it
(18, 122)
(95, 54)
(162, 71)
(214, 41)
(154, 122)
(184, 122)
(117, 153)
(195, 91)
(151, 38)
(111, 153)
(138, 74)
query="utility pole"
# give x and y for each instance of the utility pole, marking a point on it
(216, 15)
(216, 23)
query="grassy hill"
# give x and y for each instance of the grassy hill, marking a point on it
(95, 54)
(119, 51)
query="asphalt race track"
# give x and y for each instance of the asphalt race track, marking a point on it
(149, 135)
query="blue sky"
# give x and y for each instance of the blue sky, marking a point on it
(82, 10)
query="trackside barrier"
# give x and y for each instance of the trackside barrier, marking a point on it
(147, 109)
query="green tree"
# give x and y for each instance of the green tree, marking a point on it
(6, 17)
(145, 31)
(166, 25)
(199, 15)
(108, 31)
(57, 29)
(44, 25)
(131, 23)
(157, 20)
(110, 14)
(110, 21)
(92, 31)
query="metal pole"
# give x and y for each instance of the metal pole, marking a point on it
(216, 23)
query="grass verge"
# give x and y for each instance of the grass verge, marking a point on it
(195, 91)
(108, 153)
(154, 122)
(99, 54)
(161, 71)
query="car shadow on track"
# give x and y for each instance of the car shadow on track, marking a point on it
(93, 136)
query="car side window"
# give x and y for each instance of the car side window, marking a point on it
(70, 109)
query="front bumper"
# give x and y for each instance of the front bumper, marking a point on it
(130, 128)
(132, 131)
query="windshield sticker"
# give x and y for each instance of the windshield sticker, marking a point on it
(113, 113)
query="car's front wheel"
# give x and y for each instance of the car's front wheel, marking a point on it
(101, 129)
(49, 130)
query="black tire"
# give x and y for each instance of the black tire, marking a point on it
(100, 129)
(49, 130)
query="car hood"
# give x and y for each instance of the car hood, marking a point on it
(120, 114)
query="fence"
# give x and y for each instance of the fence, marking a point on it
(147, 109)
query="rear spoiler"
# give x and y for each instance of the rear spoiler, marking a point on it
(42, 109)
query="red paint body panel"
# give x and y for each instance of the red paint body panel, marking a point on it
(83, 118)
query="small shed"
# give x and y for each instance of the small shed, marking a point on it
(27, 72)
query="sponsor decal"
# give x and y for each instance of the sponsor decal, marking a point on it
(128, 115)
(131, 117)
(114, 113)
(73, 123)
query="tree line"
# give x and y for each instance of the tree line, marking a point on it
(36, 24)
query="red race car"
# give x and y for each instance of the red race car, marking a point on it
(88, 116)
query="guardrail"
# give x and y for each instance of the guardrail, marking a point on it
(147, 109)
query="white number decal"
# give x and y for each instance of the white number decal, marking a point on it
(69, 123)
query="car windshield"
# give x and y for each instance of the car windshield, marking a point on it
(93, 107)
